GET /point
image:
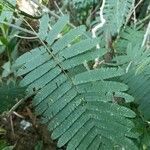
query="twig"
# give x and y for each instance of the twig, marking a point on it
(100, 25)
(97, 63)
(12, 126)
(17, 27)
(93, 12)
(133, 10)
(146, 35)
(25, 37)
(58, 7)
(18, 115)
(18, 104)
(134, 16)
(94, 30)
(70, 24)
(45, 9)
(128, 67)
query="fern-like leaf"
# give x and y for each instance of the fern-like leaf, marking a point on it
(139, 87)
(78, 108)
(136, 61)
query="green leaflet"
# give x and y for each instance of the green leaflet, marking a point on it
(68, 122)
(56, 29)
(127, 97)
(78, 48)
(85, 57)
(43, 29)
(98, 74)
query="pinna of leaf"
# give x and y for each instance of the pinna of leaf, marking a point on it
(77, 107)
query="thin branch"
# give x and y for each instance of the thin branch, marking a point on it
(18, 115)
(17, 27)
(102, 19)
(134, 16)
(25, 37)
(98, 63)
(128, 67)
(93, 12)
(18, 104)
(133, 10)
(58, 7)
(94, 30)
(146, 35)
(12, 126)
(46, 10)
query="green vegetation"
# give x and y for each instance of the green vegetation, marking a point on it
(90, 83)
